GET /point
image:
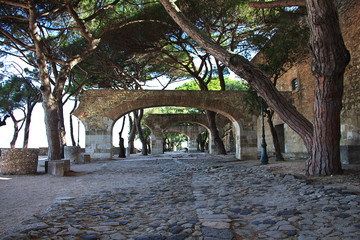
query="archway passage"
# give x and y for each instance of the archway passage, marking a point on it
(191, 131)
(158, 123)
(99, 109)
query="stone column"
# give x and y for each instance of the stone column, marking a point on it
(98, 140)
(211, 143)
(73, 153)
(246, 141)
(19, 161)
(192, 144)
(157, 146)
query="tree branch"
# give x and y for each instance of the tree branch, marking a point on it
(279, 3)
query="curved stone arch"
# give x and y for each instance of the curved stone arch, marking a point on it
(191, 131)
(99, 109)
(158, 123)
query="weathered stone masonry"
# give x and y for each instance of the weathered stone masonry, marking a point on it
(99, 110)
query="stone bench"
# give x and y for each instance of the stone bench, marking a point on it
(57, 168)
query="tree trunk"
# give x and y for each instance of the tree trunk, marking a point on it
(71, 123)
(329, 60)
(202, 141)
(277, 148)
(148, 146)
(49, 101)
(16, 131)
(219, 145)
(61, 126)
(30, 108)
(52, 128)
(3, 121)
(137, 121)
(122, 153)
(131, 135)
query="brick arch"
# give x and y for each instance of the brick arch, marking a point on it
(99, 110)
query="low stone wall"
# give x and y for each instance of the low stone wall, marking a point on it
(19, 161)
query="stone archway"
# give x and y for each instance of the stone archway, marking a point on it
(99, 110)
(191, 132)
(158, 123)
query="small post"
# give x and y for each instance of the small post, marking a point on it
(264, 157)
(78, 137)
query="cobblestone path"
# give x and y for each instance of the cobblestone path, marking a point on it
(197, 197)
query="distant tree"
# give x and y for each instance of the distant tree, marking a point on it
(19, 94)
(174, 139)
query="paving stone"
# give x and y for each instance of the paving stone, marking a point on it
(89, 237)
(217, 198)
(217, 233)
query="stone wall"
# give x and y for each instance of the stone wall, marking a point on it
(303, 97)
(19, 161)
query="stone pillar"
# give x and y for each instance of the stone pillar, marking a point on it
(192, 144)
(19, 161)
(246, 141)
(73, 153)
(211, 143)
(98, 140)
(349, 154)
(157, 146)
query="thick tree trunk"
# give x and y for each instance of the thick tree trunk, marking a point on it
(330, 58)
(219, 145)
(137, 121)
(277, 148)
(61, 125)
(131, 135)
(49, 102)
(52, 128)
